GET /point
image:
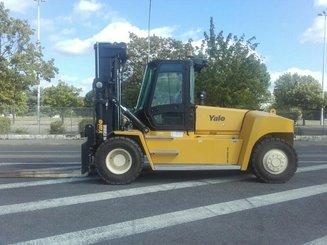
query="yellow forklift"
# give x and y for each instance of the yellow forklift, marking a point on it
(172, 132)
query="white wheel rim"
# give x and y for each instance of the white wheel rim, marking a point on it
(275, 161)
(119, 161)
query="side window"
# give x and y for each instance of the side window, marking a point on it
(168, 89)
(167, 105)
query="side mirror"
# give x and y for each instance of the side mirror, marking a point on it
(202, 95)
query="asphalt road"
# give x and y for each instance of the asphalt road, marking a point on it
(181, 207)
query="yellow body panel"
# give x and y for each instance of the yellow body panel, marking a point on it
(222, 136)
(188, 148)
(259, 124)
(217, 120)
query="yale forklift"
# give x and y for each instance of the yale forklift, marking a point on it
(168, 129)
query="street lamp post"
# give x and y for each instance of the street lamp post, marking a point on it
(324, 14)
(38, 77)
(149, 23)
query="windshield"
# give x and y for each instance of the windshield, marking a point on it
(145, 87)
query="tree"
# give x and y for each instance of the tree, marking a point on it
(293, 90)
(88, 99)
(235, 77)
(21, 61)
(61, 97)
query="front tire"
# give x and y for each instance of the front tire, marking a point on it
(119, 160)
(274, 161)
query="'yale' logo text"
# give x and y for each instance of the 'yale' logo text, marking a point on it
(215, 118)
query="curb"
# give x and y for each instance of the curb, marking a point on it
(310, 138)
(42, 174)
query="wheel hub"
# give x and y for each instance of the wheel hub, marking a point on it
(119, 161)
(275, 161)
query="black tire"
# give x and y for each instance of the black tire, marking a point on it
(119, 160)
(273, 160)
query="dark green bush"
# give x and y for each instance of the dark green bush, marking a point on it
(82, 123)
(4, 125)
(20, 131)
(57, 127)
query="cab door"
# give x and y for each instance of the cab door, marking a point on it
(169, 106)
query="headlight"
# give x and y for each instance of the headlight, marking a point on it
(99, 84)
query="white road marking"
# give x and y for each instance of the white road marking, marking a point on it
(95, 197)
(132, 227)
(39, 163)
(48, 155)
(42, 182)
(49, 169)
(60, 181)
(59, 152)
(319, 241)
(311, 168)
(308, 161)
(320, 154)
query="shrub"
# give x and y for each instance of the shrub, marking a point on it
(82, 124)
(57, 127)
(20, 131)
(4, 125)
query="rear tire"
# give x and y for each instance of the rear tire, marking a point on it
(119, 160)
(273, 160)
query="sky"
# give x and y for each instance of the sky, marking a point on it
(290, 32)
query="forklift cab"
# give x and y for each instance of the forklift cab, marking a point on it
(166, 100)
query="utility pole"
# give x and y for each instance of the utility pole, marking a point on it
(324, 14)
(38, 77)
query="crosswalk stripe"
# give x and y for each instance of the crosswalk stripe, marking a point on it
(45, 152)
(47, 155)
(69, 180)
(52, 169)
(42, 182)
(311, 168)
(317, 154)
(319, 241)
(308, 161)
(95, 197)
(132, 227)
(38, 163)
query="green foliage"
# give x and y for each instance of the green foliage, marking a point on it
(293, 90)
(88, 99)
(4, 125)
(62, 96)
(21, 61)
(83, 123)
(57, 127)
(235, 77)
(20, 131)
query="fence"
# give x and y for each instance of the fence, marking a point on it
(74, 120)
(52, 121)
(308, 122)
